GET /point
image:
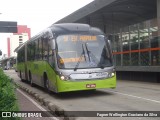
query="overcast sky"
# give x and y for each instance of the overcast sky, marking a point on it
(36, 14)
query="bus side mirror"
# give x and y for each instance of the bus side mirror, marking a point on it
(110, 45)
(52, 44)
(109, 41)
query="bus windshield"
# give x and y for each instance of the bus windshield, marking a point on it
(82, 51)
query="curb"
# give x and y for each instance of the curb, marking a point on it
(60, 112)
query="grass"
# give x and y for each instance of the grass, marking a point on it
(8, 101)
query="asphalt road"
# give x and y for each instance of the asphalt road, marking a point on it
(128, 96)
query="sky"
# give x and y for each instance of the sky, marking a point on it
(36, 14)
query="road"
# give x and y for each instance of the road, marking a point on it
(128, 96)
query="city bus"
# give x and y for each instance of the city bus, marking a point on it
(67, 57)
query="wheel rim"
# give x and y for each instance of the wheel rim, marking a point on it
(31, 82)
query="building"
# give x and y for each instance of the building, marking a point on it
(23, 34)
(133, 26)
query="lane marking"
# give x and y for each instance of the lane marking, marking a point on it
(147, 99)
(36, 104)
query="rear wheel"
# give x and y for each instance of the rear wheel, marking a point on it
(30, 79)
(21, 76)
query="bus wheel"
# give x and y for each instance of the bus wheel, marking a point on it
(21, 77)
(30, 79)
(46, 83)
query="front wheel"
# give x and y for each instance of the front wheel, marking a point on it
(46, 84)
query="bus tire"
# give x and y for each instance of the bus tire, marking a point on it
(46, 83)
(30, 79)
(21, 76)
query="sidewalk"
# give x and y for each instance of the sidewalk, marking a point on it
(26, 103)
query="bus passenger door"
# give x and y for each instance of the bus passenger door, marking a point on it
(49, 59)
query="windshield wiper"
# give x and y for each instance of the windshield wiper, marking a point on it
(88, 52)
(80, 58)
(91, 55)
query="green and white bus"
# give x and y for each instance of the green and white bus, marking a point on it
(67, 57)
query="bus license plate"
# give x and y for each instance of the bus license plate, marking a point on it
(90, 85)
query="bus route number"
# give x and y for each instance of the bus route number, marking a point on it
(75, 38)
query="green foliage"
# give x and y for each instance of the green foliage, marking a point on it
(8, 100)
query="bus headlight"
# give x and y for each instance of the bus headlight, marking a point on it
(64, 77)
(112, 74)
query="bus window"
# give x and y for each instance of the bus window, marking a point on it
(51, 57)
(40, 49)
(21, 56)
(45, 49)
(37, 49)
(33, 47)
(29, 49)
(82, 51)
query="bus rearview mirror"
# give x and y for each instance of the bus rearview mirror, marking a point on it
(52, 43)
(109, 41)
(110, 45)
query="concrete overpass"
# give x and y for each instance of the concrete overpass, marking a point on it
(133, 26)
(110, 15)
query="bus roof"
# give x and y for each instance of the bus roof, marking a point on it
(65, 28)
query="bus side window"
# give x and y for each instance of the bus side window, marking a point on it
(29, 49)
(51, 57)
(32, 51)
(37, 50)
(40, 49)
(21, 57)
(45, 49)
